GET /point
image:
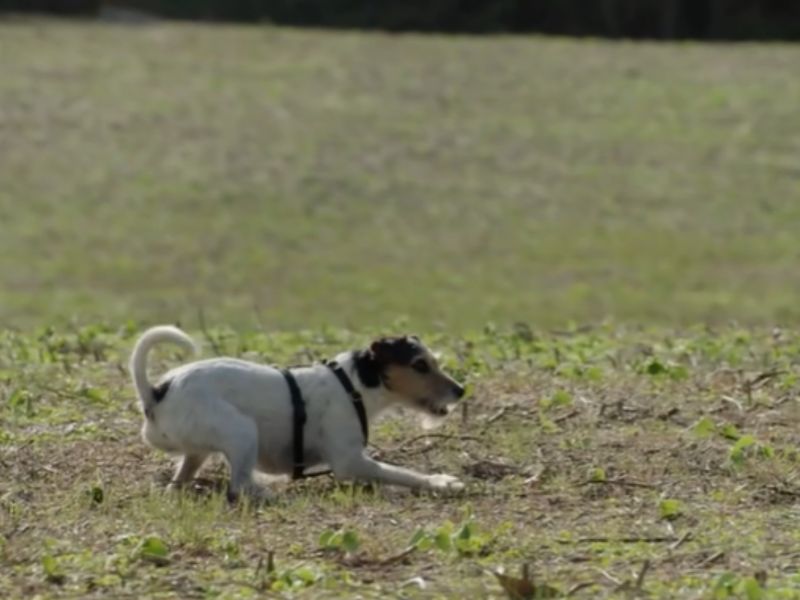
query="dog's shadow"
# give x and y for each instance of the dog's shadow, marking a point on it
(320, 486)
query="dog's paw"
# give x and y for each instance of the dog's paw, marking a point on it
(445, 483)
(254, 493)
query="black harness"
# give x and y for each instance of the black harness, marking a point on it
(299, 414)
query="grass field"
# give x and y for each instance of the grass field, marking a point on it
(320, 178)
(587, 455)
(307, 190)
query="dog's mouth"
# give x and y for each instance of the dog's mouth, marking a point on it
(436, 409)
(434, 414)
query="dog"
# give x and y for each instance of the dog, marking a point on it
(245, 411)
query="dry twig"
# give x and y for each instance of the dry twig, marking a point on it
(622, 540)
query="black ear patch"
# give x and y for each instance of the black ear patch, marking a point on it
(385, 351)
(368, 369)
(395, 350)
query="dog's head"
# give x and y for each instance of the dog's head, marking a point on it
(410, 372)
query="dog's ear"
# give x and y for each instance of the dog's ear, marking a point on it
(382, 350)
(394, 350)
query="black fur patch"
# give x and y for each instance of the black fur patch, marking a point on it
(370, 364)
(161, 390)
(367, 368)
(396, 350)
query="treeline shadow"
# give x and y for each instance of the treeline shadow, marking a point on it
(706, 20)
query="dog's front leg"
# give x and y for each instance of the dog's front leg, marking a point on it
(360, 467)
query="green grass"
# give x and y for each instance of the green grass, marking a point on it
(306, 178)
(309, 190)
(585, 454)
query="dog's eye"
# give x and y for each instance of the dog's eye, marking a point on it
(421, 366)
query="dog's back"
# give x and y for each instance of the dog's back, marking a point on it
(201, 394)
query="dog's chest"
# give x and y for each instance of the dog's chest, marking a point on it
(276, 421)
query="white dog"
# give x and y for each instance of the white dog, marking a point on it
(253, 414)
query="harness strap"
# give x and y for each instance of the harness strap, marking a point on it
(299, 421)
(358, 402)
(299, 415)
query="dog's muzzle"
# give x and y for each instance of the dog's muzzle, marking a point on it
(441, 408)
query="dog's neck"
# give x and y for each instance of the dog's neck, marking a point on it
(365, 375)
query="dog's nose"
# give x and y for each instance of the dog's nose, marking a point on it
(459, 391)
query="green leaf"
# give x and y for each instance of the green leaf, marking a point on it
(94, 394)
(679, 372)
(730, 432)
(464, 532)
(736, 454)
(443, 541)
(419, 535)
(766, 451)
(231, 548)
(350, 541)
(546, 423)
(425, 543)
(669, 508)
(704, 427)
(51, 571)
(95, 494)
(598, 474)
(724, 586)
(16, 399)
(753, 589)
(305, 576)
(594, 374)
(655, 367)
(561, 398)
(153, 549)
(743, 442)
(49, 565)
(325, 538)
(336, 539)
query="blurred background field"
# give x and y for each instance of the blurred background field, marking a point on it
(338, 181)
(297, 178)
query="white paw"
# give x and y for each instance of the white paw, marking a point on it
(445, 483)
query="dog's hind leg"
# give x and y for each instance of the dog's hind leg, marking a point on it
(188, 467)
(238, 442)
(201, 423)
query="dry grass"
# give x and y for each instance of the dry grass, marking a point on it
(586, 455)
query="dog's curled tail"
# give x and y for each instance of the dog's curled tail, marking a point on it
(138, 363)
